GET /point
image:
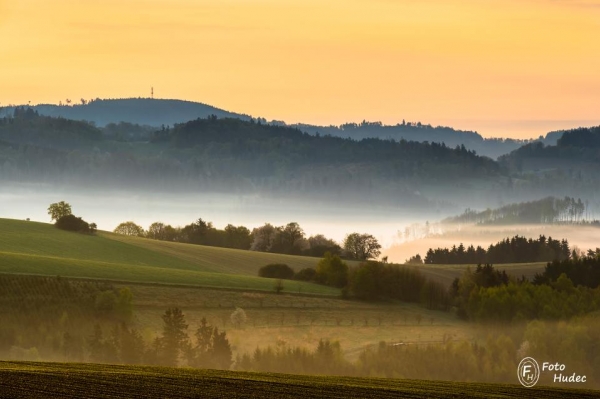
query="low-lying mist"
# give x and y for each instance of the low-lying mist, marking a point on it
(109, 208)
(579, 236)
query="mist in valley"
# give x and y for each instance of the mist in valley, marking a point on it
(109, 208)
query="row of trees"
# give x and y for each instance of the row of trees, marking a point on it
(510, 250)
(288, 239)
(581, 270)
(546, 210)
(209, 347)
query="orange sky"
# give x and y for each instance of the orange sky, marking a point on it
(505, 68)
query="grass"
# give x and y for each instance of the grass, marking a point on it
(215, 259)
(39, 248)
(67, 380)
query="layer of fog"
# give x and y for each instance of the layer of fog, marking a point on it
(581, 237)
(402, 234)
(108, 209)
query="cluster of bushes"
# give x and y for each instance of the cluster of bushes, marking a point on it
(376, 281)
(369, 281)
(74, 223)
(488, 295)
(331, 271)
(65, 220)
(277, 270)
(511, 250)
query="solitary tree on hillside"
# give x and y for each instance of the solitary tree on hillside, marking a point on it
(362, 246)
(129, 229)
(59, 209)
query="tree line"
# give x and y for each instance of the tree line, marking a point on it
(546, 211)
(209, 347)
(289, 239)
(517, 249)
(582, 270)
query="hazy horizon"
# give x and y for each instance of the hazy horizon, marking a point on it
(467, 64)
(501, 128)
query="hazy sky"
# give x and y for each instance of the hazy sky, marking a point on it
(503, 67)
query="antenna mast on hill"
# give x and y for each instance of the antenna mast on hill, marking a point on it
(152, 92)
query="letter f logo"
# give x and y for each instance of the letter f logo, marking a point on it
(528, 372)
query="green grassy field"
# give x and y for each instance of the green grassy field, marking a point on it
(60, 380)
(39, 248)
(215, 259)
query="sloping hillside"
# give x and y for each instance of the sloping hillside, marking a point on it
(39, 248)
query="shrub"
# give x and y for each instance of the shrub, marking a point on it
(276, 270)
(307, 274)
(332, 271)
(72, 223)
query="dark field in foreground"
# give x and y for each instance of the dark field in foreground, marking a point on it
(57, 380)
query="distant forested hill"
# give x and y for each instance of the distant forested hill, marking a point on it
(411, 131)
(582, 144)
(141, 111)
(571, 167)
(232, 155)
(158, 112)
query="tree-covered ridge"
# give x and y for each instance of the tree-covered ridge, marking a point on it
(417, 131)
(140, 111)
(546, 210)
(266, 146)
(27, 127)
(511, 250)
(582, 144)
(159, 112)
(221, 155)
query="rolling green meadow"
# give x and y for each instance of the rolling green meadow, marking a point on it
(38, 248)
